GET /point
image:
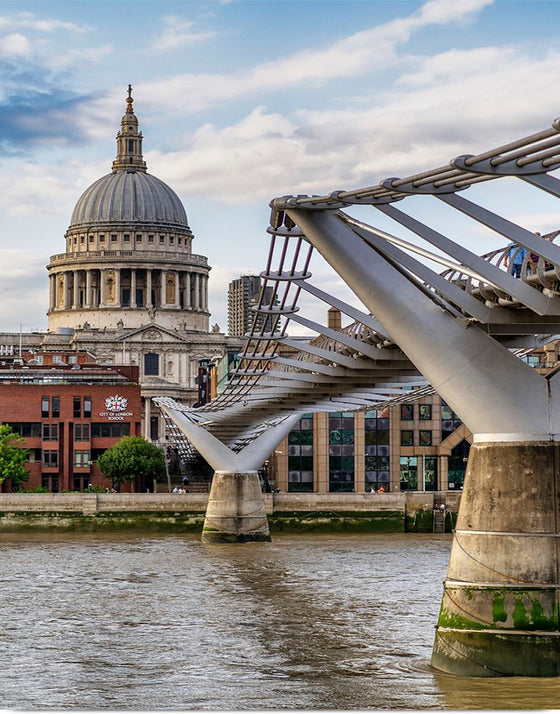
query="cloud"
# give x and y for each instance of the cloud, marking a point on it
(178, 32)
(23, 286)
(421, 122)
(29, 21)
(15, 46)
(367, 51)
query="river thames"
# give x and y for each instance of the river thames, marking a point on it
(165, 622)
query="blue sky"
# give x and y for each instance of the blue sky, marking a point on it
(242, 101)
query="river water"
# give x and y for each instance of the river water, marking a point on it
(304, 622)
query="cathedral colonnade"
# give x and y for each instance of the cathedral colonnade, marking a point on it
(114, 287)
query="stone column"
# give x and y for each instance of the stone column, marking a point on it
(52, 291)
(118, 287)
(163, 287)
(102, 287)
(149, 287)
(88, 296)
(236, 510)
(133, 287)
(205, 293)
(65, 290)
(76, 290)
(196, 305)
(177, 298)
(188, 302)
(321, 452)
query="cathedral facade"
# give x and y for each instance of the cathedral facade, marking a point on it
(128, 289)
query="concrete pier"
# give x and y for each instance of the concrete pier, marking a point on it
(499, 614)
(236, 510)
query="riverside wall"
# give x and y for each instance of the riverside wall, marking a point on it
(287, 512)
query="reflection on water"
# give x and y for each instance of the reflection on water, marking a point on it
(304, 622)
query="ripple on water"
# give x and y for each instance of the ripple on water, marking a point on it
(306, 622)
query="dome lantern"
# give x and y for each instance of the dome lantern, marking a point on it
(129, 141)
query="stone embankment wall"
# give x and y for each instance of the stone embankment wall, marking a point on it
(287, 512)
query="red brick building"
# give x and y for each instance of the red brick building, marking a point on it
(69, 412)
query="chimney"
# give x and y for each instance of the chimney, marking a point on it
(334, 318)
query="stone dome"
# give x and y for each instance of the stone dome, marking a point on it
(129, 195)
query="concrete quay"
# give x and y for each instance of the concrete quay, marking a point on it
(286, 512)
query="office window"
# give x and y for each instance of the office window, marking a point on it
(300, 455)
(407, 437)
(45, 402)
(407, 412)
(81, 459)
(424, 437)
(109, 430)
(425, 412)
(55, 407)
(77, 407)
(50, 432)
(50, 459)
(87, 407)
(81, 432)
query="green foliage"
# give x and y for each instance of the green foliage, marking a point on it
(12, 456)
(132, 456)
(37, 489)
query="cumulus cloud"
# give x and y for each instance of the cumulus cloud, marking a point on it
(423, 121)
(15, 46)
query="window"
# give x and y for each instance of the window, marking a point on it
(409, 473)
(109, 430)
(55, 407)
(50, 432)
(87, 407)
(300, 455)
(72, 359)
(138, 237)
(377, 452)
(90, 239)
(45, 401)
(50, 459)
(341, 451)
(27, 429)
(424, 437)
(179, 240)
(82, 239)
(126, 237)
(449, 421)
(81, 432)
(77, 407)
(407, 412)
(407, 437)
(154, 428)
(171, 239)
(162, 239)
(81, 459)
(101, 238)
(425, 412)
(151, 364)
(58, 359)
(150, 239)
(113, 237)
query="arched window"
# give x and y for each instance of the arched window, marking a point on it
(151, 364)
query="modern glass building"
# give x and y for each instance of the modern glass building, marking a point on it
(420, 446)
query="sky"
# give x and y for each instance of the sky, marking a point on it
(241, 101)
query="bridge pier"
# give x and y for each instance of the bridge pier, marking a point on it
(499, 614)
(236, 510)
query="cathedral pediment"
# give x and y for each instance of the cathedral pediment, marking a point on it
(151, 333)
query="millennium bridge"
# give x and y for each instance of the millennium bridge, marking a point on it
(436, 316)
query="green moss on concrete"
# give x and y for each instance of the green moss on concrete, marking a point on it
(453, 619)
(499, 613)
(329, 522)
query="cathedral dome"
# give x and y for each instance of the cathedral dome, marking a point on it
(129, 195)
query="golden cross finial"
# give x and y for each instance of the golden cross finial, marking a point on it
(129, 99)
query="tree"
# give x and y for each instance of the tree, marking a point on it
(132, 456)
(12, 457)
